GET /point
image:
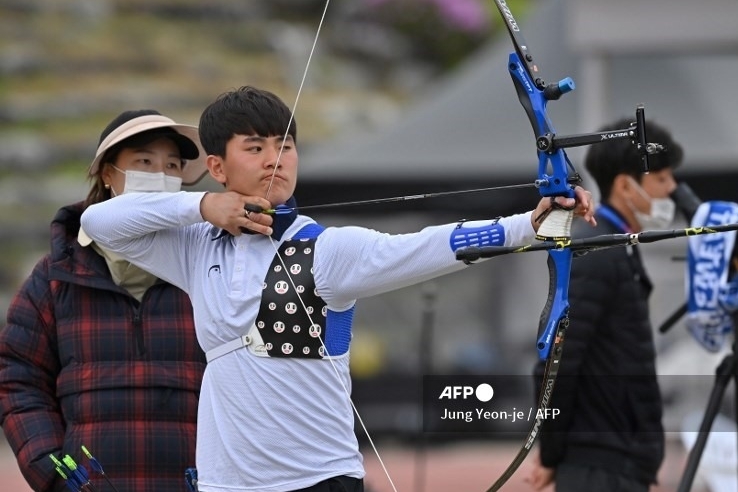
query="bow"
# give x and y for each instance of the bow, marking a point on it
(556, 177)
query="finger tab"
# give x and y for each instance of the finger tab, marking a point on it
(250, 207)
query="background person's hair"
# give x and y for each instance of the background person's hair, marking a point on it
(605, 161)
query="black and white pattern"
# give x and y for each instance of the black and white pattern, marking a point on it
(282, 321)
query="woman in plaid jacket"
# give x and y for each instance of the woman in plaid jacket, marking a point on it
(98, 353)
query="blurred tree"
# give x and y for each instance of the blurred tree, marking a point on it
(441, 32)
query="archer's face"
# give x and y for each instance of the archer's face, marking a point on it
(258, 166)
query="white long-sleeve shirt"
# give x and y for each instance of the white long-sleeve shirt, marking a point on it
(270, 424)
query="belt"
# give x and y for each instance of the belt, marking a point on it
(228, 347)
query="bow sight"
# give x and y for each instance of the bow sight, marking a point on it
(636, 132)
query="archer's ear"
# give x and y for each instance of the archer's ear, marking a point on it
(215, 167)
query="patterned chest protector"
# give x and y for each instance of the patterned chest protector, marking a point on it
(283, 321)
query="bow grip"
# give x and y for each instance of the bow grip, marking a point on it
(555, 313)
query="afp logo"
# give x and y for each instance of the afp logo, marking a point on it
(484, 392)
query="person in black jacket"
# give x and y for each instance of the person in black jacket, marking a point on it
(608, 435)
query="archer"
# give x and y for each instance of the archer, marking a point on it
(274, 296)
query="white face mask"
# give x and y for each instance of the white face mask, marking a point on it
(144, 182)
(662, 211)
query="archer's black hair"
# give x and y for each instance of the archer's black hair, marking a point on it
(244, 111)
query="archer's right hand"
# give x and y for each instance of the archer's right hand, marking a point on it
(226, 211)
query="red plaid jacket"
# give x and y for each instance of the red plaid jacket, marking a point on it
(84, 363)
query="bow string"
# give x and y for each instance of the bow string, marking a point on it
(283, 263)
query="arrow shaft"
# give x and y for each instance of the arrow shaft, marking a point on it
(405, 198)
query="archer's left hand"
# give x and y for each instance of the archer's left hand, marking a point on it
(582, 205)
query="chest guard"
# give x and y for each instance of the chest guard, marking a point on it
(283, 322)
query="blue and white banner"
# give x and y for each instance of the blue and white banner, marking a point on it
(712, 297)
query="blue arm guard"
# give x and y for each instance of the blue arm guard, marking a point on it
(490, 234)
